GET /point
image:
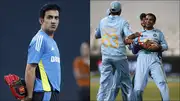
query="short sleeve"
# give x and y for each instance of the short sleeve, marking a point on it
(36, 50)
(163, 42)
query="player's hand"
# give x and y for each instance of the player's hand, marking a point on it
(137, 34)
(27, 99)
(154, 48)
(151, 46)
(128, 41)
(134, 35)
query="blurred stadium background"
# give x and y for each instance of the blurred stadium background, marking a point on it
(167, 13)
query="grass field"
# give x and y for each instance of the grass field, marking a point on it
(151, 92)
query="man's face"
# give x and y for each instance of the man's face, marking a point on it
(51, 20)
(149, 21)
(143, 22)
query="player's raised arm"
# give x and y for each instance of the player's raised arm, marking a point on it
(129, 39)
(129, 34)
(126, 29)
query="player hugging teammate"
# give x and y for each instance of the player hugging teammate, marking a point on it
(148, 44)
(149, 47)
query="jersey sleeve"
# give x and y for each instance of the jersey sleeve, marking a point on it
(163, 42)
(98, 32)
(36, 50)
(126, 29)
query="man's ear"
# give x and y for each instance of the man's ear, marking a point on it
(41, 20)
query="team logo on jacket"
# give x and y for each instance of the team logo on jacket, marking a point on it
(155, 35)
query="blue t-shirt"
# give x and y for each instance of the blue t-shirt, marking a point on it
(43, 50)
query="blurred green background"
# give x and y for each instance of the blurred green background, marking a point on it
(151, 92)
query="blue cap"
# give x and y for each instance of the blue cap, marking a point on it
(115, 6)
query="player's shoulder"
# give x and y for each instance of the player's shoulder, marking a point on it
(38, 38)
(122, 19)
(142, 31)
(158, 30)
(103, 19)
(41, 35)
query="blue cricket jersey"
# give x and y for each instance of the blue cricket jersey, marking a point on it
(43, 50)
(112, 30)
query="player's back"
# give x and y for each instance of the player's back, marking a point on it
(113, 46)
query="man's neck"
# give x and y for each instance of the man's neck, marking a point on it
(50, 34)
(150, 28)
(144, 28)
(114, 14)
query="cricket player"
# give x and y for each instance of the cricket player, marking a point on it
(148, 60)
(135, 48)
(43, 71)
(115, 71)
(143, 20)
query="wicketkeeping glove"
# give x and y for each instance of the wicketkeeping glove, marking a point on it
(151, 46)
(17, 86)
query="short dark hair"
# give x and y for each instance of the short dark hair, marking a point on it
(151, 14)
(143, 15)
(49, 6)
(115, 13)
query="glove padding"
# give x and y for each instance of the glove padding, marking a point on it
(151, 46)
(17, 86)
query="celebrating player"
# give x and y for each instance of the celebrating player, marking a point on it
(115, 72)
(151, 42)
(42, 75)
